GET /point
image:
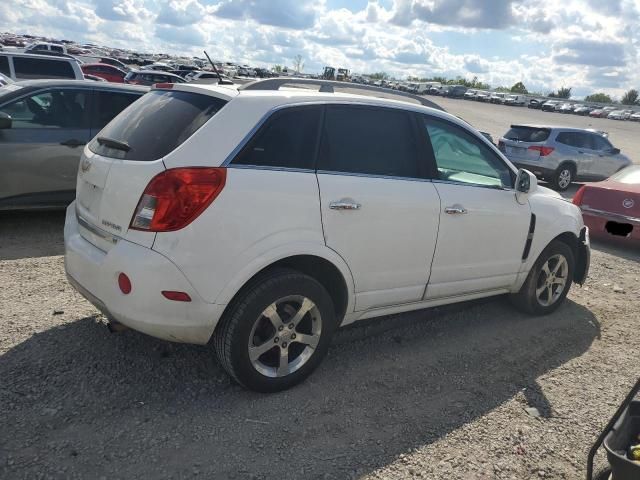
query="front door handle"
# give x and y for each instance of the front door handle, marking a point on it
(73, 143)
(455, 210)
(344, 205)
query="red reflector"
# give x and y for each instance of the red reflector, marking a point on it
(124, 283)
(163, 86)
(174, 198)
(176, 296)
(577, 198)
(544, 151)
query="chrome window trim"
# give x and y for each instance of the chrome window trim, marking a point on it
(477, 185)
(371, 175)
(96, 230)
(603, 213)
(272, 168)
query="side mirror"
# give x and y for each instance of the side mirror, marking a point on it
(5, 120)
(526, 182)
(615, 151)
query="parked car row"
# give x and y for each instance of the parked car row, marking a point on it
(596, 111)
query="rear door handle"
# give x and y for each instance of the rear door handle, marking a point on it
(456, 210)
(73, 143)
(344, 205)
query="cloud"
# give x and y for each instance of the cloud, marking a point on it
(475, 64)
(131, 11)
(495, 14)
(296, 14)
(596, 53)
(181, 35)
(181, 13)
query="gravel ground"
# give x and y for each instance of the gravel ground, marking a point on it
(432, 394)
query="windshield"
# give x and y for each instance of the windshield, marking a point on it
(527, 134)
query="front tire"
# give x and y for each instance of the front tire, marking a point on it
(548, 282)
(564, 177)
(276, 332)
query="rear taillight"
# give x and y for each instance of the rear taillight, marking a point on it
(577, 198)
(544, 151)
(174, 198)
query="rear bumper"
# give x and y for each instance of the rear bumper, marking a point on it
(597, 221)
(94, 273)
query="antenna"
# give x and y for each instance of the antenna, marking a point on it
(220, 80)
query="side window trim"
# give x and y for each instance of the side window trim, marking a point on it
(480, 141)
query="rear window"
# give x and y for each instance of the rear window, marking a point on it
(527, 134)
(155, 125)
(31, 68)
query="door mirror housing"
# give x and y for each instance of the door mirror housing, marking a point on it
(5, 120)
(526, 182)
(615, 151)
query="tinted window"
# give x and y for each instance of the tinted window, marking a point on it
(371, 141)
(51, 109)
(109, 104)
(598, 142)
(157, 124)
(42, 68)
(461, 157)
(527, 134)
(288, 139)
(4, 66)
(574, 139)
(56, 48)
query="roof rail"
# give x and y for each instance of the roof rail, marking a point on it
(327, 86)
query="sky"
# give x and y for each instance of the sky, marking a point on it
(589, 45)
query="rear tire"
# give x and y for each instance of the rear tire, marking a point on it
(276, 332)
(564, 177)
(548, 282)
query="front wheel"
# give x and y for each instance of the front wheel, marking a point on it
(276, 332)
(548, 282)
(563, 177)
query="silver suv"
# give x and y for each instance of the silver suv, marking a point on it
(562, 155)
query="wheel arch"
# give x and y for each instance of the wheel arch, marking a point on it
(327, 268)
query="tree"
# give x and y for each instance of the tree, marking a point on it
(630, 98)
(563, 92)
(277, 68)
(298, 63)
(598, 98)
(379, 76)
(519, 88)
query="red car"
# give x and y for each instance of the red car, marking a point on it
(612, 208)
(102, 70)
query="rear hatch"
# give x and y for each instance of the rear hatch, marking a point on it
(613, 197)
(523, 142)
(127, 154)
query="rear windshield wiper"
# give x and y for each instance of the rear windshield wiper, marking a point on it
(115, 144)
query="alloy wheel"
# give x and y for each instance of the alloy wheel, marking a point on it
(285, 336)
(552, 280)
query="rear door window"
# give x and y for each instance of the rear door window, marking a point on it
(370, 141)
(145, 134)
(287, 140)
(64, 108)
(599, 143)
(33, 68)
(109, 104)
(527, 134)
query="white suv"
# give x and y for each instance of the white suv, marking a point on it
(264, 220)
